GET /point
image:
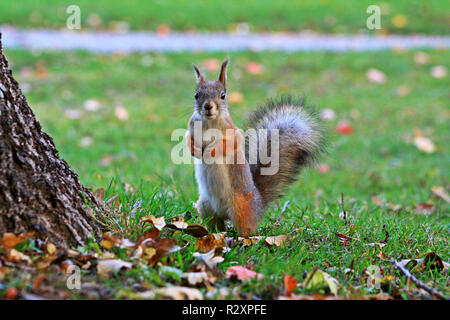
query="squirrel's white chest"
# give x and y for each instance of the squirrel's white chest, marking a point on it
(214, 186)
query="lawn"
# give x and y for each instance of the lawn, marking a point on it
(111, 117)
(400, 16)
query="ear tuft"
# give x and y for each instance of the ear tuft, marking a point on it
(223, 72)
(198, 75)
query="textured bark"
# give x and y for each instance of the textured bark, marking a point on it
(38, 190)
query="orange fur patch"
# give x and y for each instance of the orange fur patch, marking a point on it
(244, 215)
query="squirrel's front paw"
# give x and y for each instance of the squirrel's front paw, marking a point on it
(195, 151)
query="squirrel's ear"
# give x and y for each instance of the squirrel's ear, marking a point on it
(223, 72)
(198, 74)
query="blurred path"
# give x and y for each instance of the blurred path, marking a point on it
(148, 41)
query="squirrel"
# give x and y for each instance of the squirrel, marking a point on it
(239, 190)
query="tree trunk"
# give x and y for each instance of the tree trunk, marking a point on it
(38, 191)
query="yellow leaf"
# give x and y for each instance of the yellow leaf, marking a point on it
(399, 21)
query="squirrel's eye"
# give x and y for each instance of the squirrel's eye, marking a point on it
(223, 95)
(196, 95)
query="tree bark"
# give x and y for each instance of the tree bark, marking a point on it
(38, 190)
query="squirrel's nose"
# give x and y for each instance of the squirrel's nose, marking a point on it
(208, 107)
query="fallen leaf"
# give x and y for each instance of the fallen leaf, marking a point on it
(242, 273)
(424, 144)
(209, 259)
(421, 58)
(153, 233)
(382, 256)
(235, 97)
(439, 72)
(321, 281)
(211, 241)
(328, 114)
(399, 21)
(158, 223)
(424, 208)
(253, 68)
(290, 283)
(276, 241)
(424, 262)
(13, 255)
(211, 64)
(122, 113)
(375, 76)
(162, 248)
(403, 91)
(441, 193)
(323, 168)
(344, 127)
(343, 239)
(37, 282)
(178, 224)
(91, 105)
(180, 293)
(11, 293)
(10, 240)
(72, 113)
(196, 230)
(381, 296)
(105, 267)
(51, 248)
(106, 160)
(94, 20)
(163, 30)
(195, 278)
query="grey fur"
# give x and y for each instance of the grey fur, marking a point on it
(301, 141)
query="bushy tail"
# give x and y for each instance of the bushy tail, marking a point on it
(301, 140)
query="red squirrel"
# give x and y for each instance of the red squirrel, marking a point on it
(238, 187)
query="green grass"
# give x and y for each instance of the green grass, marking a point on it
(378, 159)
(264, 15)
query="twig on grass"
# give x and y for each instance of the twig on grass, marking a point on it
(417, 282)
(343, 209)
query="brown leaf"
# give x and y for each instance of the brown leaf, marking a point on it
(159, 223)
(99, 194)
(178, 224)
(37, 282)
(424, 262)
(382, 256)
(13, 255)
(162, 247)
(196, 230)
(153, 233)
(441, 193)
(276, 241)
(290, 283)
(343, 239)
(211, 241)
(424, 208)
(10, 240)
